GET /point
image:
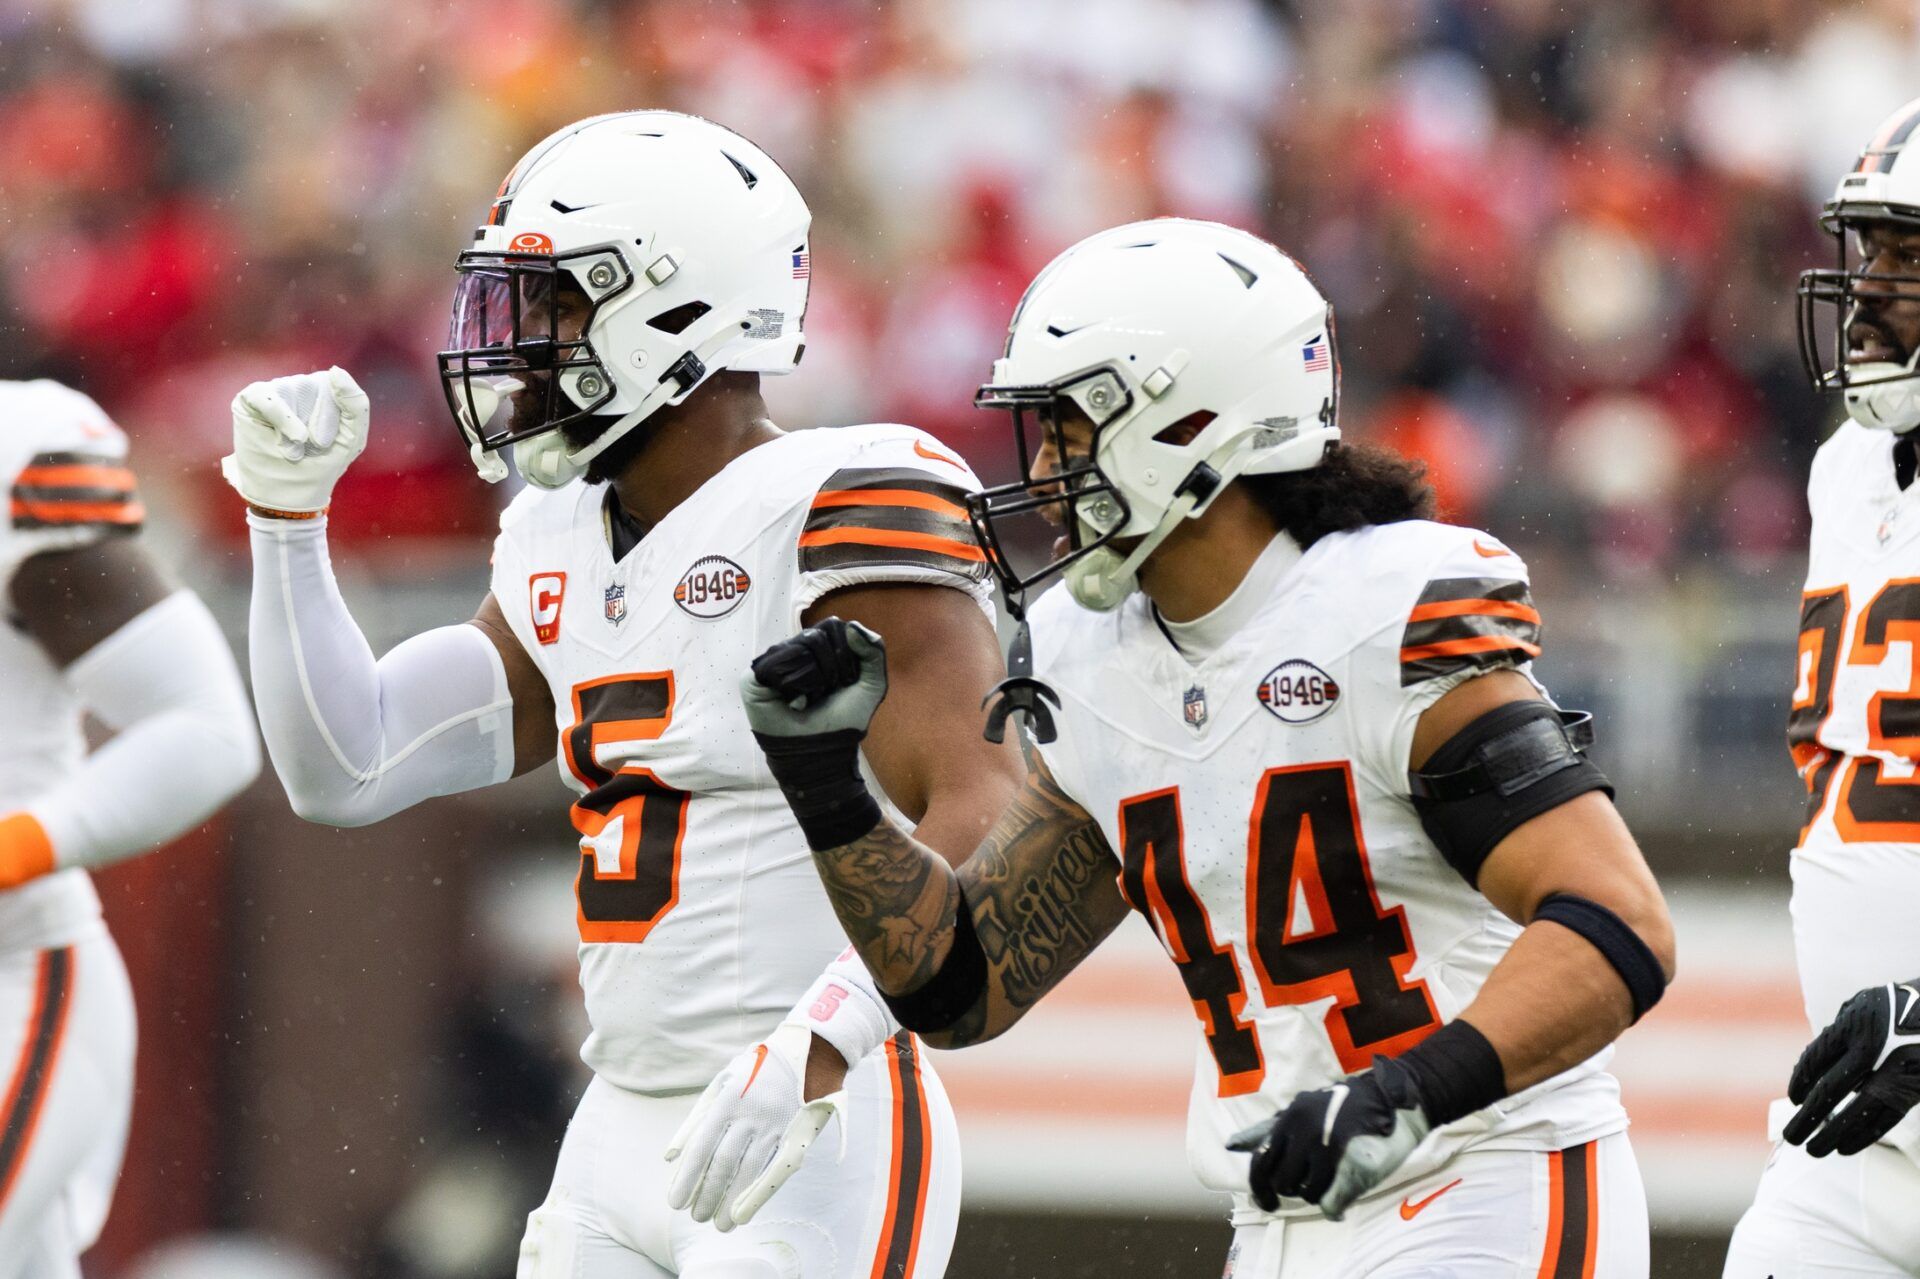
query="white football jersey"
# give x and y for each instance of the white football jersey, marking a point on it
(63, 466)
(702, 919)
(1258, 802)
(1854, 729)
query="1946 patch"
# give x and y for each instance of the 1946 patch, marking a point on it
(712, 588)
(1298, 692)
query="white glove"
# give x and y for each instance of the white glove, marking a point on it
(294, 437)
(750, 1128)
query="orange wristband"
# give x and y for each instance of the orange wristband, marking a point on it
(268, 512)
(25, 851)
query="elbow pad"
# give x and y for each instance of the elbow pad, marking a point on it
(1618, 944)
(955, 988)
(1498, 773)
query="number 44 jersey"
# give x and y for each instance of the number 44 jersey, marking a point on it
(1854, 729)
(1257, 797)
(701, 917)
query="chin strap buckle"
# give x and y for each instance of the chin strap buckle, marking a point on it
(1020, 694)
(686, 372)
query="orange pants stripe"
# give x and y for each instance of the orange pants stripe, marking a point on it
(912, 1164)
(1573, 1192)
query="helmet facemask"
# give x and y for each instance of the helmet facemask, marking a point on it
(519, 363)
(1074, 497)
(1883, 393)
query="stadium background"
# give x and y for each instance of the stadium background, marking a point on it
(1561, 238)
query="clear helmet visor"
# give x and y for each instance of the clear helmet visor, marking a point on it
(518, 361)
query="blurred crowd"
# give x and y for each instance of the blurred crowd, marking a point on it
(1561, 238)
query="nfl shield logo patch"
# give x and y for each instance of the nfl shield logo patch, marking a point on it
(1195, 706)
(617, 604)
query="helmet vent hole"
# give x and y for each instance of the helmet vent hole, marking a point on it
(746, 174)
(1183, 432)
(1246, 277)
(677, 319)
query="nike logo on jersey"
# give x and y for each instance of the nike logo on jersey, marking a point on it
(924, 451)
(1409, 1209)
(1493, 552)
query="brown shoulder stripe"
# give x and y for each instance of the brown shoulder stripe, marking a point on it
(1466, 623)
(866, 516)
(68, 490)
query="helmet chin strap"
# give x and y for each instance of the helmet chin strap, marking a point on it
(1102, 579)
(1891, 400)
(546, 462)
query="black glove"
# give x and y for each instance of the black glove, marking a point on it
(809, 700)
(1871, 1049)
(1332, 1145)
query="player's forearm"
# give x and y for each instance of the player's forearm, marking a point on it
(1549, 1004)
(354, 740)
(184, 746)
(896, 898)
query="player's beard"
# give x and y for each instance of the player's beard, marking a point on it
(607, 466)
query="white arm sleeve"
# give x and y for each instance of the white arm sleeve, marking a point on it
(185, 740)
(355, 740)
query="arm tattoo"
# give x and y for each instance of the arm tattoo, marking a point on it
(1041, 887)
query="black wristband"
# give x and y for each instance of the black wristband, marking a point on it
(955, 988)
(1457, 1072)
(820, 776)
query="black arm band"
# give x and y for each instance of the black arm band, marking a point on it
(1457, 1071)
(955, 988)
(1499, 772)
(820, 776)
(1618, 944)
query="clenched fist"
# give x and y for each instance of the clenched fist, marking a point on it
(294, 437)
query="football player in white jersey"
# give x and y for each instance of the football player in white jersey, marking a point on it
(635, 274)
(93, 627)
(1294, 716)
(1839, 1197)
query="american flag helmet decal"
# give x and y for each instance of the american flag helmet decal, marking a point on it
(1314, 356)
(802, 266)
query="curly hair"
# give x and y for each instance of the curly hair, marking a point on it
(1355, 485)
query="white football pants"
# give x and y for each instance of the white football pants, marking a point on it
(1579, 1213)
(887, 1211)
(66, 1094)
(1840, 1217)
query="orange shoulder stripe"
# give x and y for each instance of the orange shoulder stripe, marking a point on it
(77, 475)
(1476, 644)
(127, 511)
(888, 497)
(1477, 607)
(889, 537)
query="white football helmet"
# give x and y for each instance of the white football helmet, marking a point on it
(1884, 188)
(690, 245)
(1142, 328)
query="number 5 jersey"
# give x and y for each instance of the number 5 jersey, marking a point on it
(701, 917)
(1255, 789)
